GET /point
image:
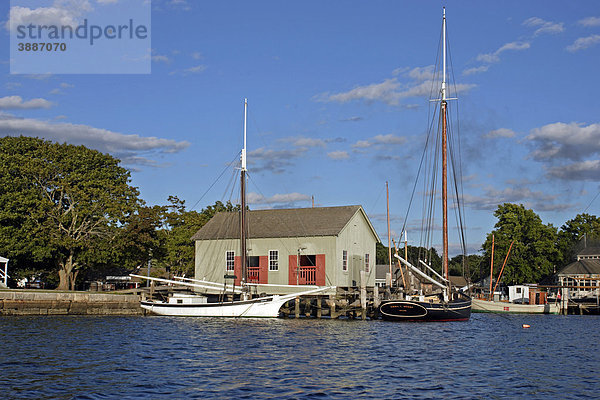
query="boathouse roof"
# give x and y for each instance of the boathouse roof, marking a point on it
(281, 223)
(581, 267)
(589, 251)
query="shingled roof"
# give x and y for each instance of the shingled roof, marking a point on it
(277, 223)
(581, 267)
(589, 251)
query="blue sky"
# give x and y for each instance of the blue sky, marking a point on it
(337, 104)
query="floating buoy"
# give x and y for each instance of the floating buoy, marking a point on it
(525, 326)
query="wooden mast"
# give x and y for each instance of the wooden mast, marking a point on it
(387, 196)
(444, 156)
(243, 227)
(491, 297)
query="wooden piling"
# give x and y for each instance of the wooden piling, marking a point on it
(319, 307)
(363, 294)
(297, 307)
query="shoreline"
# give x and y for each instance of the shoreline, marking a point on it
(34, 302)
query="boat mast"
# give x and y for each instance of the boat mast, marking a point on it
(387, 197)
(444, 106)
(243, 228)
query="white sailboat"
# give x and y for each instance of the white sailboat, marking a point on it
(192, 305)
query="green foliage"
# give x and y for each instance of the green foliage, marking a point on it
(533, 255)
(574, 234)
(470, 269)
(180, 226)
(414, 255)
(58, 200)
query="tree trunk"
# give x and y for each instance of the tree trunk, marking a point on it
(73, 278)
(65, 273)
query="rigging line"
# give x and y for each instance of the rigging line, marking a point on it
(457, 183)
(595, 197)
(216, 180)
(232, 183)
(250, 178)
(376, 200)
(429, 184)
(283, 185)
(423, 158)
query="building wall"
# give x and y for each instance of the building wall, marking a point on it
(356, 238)
(210, 260)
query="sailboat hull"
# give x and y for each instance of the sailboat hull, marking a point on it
(409, 310)
(256, 308)
(485, 306)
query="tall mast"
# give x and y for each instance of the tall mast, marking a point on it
(444, 153)
(243, 227)
(387, 197)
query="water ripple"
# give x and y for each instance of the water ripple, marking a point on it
(161, 357)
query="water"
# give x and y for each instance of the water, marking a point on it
(490, 357)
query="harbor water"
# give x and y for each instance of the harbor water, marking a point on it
(490, 357)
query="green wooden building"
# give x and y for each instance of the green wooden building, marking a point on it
(325, 246)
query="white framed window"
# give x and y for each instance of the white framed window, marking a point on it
(230, 260)
(344, 260)
(273, 260)
(367, 266)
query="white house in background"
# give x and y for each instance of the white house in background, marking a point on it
(3, 272)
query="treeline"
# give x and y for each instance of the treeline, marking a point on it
(538, 250)
(69, 214)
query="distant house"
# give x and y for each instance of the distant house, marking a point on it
(302, 246)
(582, 277)
(381, 271)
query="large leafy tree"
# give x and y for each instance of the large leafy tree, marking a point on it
(59, 200)
(575, 234)
(180, 225)
(533, 255)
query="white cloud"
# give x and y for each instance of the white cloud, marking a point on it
(192, 70)
(388, 139)
(572, 141)
(308, 142)
(492, 197)
(385, 91)
(275, 161)
(197, 55)
(391, 90)
(589, 21)
(502, 132)
(352, 119)
(422, 74)
(494, 57)
(131, 149)
(588, 170)
(62, 12)
(338, 155)
(580, 144)
(476, 70)
(584, 43)
(544, 27)
(255, 198)
(161, 58)
(17, 103)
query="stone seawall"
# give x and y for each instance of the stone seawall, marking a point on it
(64, 303)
